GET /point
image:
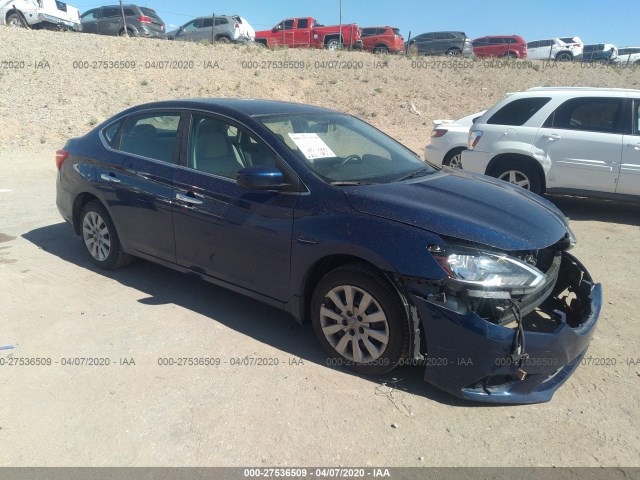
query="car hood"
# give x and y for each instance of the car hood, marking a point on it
(466, 206)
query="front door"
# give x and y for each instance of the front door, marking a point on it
(240, 236)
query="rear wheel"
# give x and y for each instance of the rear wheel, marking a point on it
(520, 173)
(360, 320)
(454, 52)
(511, 55)
(454, 158)
(333, 44)
(100, 237)
(15, 21)
(223, 40)
(126, 33)
(381, 49)
(564, 57)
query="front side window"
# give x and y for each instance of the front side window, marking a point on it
(150, 135)
(588, 114)
(518, 112)
(340, 148)
(191, 26)
(89, 16)
(222, 149)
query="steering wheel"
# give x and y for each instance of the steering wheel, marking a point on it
(350, 158)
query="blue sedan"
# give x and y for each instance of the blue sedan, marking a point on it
(393, 261)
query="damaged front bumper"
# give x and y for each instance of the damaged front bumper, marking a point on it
(472, 357)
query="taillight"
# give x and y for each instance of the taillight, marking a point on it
(438, 132)
(144, 19)
(474, 138)
(61, 156)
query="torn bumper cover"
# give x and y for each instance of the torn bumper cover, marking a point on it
(472, 357)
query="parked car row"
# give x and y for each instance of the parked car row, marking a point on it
(583, 141)
(303, 32)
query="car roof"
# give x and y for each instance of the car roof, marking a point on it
(582, 89)
(247, 106)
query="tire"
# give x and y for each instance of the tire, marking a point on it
(511, 55)
(15, 21)
(520, 173)
(223, 40)
(381, 50)
(454, 158)
(564, 57)
(382, 345)
(126, 33)
(454, 52)
(100, 238)
(333, 44)
(602, 62)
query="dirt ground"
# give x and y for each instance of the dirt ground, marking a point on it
(135, 412)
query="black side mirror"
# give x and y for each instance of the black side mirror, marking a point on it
(261, 177)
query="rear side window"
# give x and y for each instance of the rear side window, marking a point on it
(518, 112)
(303, 23)
(110, 134)
(129, 12)
(110, 12)
(207, 22)
(151, 136)
(588, 114)
(396, 31)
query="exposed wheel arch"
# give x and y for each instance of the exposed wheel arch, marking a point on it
(499, 161)
(381, 48)
(454, 152)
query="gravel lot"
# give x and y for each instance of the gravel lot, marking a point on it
(55, 305)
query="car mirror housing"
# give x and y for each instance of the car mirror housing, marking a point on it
(261, 177)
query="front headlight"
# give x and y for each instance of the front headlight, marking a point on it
(488, 274)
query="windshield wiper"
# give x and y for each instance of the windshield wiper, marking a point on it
(350, 184)
(415, 174)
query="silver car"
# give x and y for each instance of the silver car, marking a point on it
(228, 28)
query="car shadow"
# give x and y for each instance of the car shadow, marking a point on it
(242, 314)
(585, 209)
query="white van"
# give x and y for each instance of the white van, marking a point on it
(44, 14)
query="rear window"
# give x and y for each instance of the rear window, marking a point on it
(518, 112)
(568, 39)
(396, 31)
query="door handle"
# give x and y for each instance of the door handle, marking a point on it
(552, 136)
(109, 178)
(635, 146)
(187, 199)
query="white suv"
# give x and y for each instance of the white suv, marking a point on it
(628, 56)
(583, 141)
(562, 49)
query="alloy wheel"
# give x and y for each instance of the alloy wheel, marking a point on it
(516, 177)
(354, 324)
(96, 236)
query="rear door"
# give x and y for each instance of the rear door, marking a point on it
(90, 21)
(302, 33)
(583, 140)
(110, 21)
(240, 236)
(629, 180)
(136, 180)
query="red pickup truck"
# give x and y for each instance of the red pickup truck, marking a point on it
(306, 32)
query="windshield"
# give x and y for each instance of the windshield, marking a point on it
(340, 148)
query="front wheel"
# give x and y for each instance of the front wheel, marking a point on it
(101, 239)
(519, 173)
(360, 320)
